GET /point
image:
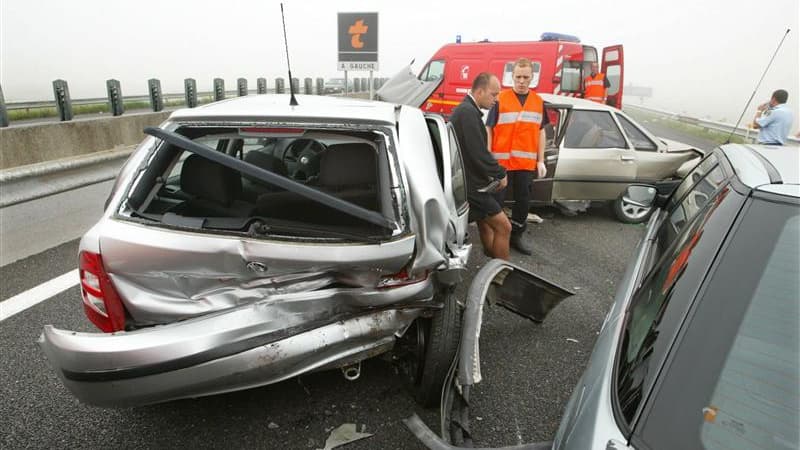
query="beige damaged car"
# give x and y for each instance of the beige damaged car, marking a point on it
(595, 151)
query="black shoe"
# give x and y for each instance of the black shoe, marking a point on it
(518, 243)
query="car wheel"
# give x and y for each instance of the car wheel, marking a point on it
(441, 334)
(628, 212)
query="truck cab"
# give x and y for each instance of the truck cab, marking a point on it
(560, 63)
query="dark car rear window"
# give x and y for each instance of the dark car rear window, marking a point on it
(734, 379)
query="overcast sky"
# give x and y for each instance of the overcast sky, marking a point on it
(701, 57)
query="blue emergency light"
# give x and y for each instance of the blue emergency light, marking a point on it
(559, 37)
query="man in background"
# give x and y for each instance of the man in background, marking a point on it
(484, 174)
(774, 119)
(595, 86)
(515, 130)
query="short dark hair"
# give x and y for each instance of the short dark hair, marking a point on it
(481, 81)
(780, 96)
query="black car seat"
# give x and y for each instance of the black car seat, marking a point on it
(215, 190)
(252, 188)
(349, 171)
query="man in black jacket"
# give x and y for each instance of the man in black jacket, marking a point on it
(484, 174)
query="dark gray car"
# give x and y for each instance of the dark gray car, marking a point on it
(701, 348)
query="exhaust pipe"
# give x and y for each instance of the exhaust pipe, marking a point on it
(352, 371)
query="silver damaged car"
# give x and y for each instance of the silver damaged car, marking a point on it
(249, 241)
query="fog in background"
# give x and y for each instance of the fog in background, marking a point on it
(700, 57)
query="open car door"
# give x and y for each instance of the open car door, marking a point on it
(514, 288)
(542, 188)
(613, 65)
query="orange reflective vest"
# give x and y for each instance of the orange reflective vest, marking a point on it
(515, 136)
(595, 88)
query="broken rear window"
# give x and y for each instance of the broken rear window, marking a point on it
(216, 187)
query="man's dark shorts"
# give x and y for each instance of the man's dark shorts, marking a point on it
(482, 205)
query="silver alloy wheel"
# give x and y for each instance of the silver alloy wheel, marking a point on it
(630, 212)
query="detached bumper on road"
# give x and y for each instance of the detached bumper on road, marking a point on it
(241, 348)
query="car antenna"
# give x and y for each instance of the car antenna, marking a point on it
(292, 100)
(728, 141)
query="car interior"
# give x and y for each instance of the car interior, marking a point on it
(344, 165)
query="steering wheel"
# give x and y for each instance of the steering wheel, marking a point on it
(302, 158)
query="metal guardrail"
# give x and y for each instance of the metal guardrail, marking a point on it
(104, 100)
(745, 132)
(63, 104)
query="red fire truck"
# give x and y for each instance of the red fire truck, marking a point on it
(560, 63)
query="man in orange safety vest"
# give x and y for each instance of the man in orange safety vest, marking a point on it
(595, 86)
(516, 137)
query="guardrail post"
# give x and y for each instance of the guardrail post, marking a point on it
(114, 90)
(279, 86)
(190, 92)
(308, 86)
(261, 85)
(241, 86)
(3, 110)
(63, 102)
(219, 89)
(296, 85)
(156, 99)
(320, 86)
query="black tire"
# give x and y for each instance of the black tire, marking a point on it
(628, 213)
(442, 335)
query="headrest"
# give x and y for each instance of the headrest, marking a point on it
(348, 165)
(266, 161)
(208, 180)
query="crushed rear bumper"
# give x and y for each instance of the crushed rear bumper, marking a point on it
(240, 348)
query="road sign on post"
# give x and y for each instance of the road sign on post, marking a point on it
(63, 102)
(358, 41)
(115, 97)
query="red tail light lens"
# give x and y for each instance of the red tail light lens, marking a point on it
(101, 303)
(401, 278)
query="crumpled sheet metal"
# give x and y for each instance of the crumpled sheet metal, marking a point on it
(429, 212)
(176, 275)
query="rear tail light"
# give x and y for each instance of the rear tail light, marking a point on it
(401, 278)
(101, 303)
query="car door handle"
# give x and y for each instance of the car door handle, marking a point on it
(627, 158)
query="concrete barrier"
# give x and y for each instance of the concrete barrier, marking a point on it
(24, 145)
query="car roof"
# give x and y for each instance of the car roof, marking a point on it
(768, 168)
(309, 106)
(577, 103)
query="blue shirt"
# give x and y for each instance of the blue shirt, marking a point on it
(775, 124)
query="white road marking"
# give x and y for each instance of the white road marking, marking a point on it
(38, 294)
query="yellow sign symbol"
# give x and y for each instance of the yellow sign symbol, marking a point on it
(356, 30)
